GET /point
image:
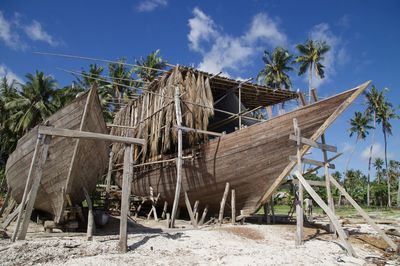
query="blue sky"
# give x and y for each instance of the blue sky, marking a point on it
(227, 36)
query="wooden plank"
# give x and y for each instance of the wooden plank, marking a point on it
(315, 144)
(368, 219)
(190, 211)
(358, 90)
(311, 182)
(90, 220)
(318, 167)
(178, 114)
(222, 205)
(37, 176)
(11, 217)
(203, 216)
(68, 133)
(233, 206)
(125, 199)
(311, 161)
(199, 131)
(328, 211)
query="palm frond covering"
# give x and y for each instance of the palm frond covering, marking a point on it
(153, 114)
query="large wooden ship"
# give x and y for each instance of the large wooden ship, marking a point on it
(253, 159)
(71, 164)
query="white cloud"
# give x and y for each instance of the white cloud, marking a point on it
(36, 32)
(7, 35)
(337, 55)
(223, 52)
(5, 71)
(150, 5)
(378, 151)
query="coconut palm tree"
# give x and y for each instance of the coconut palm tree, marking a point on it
(312, 54)
(360, 125)
(121, 77)
(33, 104)
(378, 164)
(274, 74)
(149, 68)
(374, 100)
(385, 114)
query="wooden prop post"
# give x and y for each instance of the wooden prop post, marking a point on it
(299, 203)
(165, 209)
(326, 168)
(109, 172)
(6, 200)
(331, 215)
(222, 206)
(190, 211)
(90, 219)
(196, 210)
(233, 206)
(203, 216)
(179, 159)
(364, 214)
(153, 205)
(34, 176)
(125, 199)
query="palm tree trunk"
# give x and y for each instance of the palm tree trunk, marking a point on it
(386, 165)
(369, 164)
(310, 71)
(347, 168)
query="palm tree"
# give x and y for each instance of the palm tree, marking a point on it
(274, 74)
(378, 164)
(149, 68)
(385, 114)
(374, 100)
(121, 75)
(33, 104)
(312, 53)
(360, 125)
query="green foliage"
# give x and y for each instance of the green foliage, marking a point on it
(274, 74)
(149, 67)
(360, 125)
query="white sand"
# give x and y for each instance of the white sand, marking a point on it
(248, 245)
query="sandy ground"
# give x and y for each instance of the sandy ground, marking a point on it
(248, 244)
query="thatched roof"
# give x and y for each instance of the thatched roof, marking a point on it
(252, 95)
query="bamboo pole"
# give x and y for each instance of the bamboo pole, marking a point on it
(179, 159)
(222, 205)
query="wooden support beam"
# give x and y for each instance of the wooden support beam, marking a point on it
(368, 219)
(153, 205)
(315, 144)
(196, 210)
(319, 167)
(11, 217)
(299, 194)
(269, 112)
(178, 114)
(302, 99)
(36, 178)
(109, 172)
(90, 219)
(190, 211)
(68, 133)
(233, 206)
(203, 216)
(311, 161)
(188, 129)
(222, 205)
(165, 209)
(328, 211)
(314, 183)
(125, 199)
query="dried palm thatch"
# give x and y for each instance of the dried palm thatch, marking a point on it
(152, 116)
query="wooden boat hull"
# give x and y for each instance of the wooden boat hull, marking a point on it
(253, 160)
(71, 164)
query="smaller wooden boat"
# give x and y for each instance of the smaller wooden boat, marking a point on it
(71, 164)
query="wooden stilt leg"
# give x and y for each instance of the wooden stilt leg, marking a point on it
(233, 206)
(203, 216)
(125, 200)
(37, 176)
(90, 219)
(222, 205)
(179, 159)
(189, 208)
